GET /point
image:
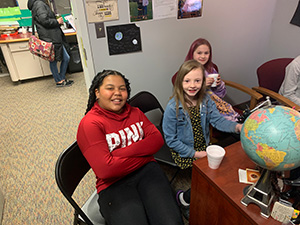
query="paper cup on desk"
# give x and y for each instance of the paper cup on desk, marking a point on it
(215, 76)
(215, 155)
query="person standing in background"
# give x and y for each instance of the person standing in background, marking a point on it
(290, 87)
(48, 29)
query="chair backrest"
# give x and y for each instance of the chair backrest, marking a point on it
(70, 168)
(271, 74)
(147, 102)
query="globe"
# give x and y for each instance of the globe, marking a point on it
(271, 138)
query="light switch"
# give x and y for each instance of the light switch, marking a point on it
(100, 30)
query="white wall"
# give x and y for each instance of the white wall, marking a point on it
(83, 39)
(244, 34)
(285, 37)
(238, 31)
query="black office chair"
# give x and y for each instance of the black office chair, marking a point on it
(70, 168)
(149, 104)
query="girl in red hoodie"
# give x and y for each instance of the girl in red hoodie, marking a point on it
(119, 141)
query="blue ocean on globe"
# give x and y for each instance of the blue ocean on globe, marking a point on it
(271, 138)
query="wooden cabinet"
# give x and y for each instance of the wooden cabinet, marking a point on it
(21, 63)
(27, 65)
(46, 67)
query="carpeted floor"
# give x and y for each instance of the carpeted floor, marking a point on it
(37, 122)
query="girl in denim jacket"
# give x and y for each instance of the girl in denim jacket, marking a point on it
(187, 118)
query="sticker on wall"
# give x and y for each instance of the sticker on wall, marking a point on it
(123, 39)
(189, 8)
(119, 36)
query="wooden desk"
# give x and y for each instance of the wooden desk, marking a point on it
(216, 194)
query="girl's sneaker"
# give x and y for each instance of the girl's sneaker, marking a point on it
(185, 210)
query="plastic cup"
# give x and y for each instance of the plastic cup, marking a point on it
(215, 76)
(215, 155)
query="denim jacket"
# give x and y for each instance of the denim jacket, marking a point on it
(178, 130)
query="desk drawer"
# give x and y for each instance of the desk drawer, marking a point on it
(19, 46)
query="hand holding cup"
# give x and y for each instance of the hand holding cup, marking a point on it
(213, 79)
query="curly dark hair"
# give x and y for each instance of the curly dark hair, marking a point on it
(98, 81)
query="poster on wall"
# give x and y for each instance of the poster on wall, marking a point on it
(101, 10)
(123, 39)
(189, 8)
(140, 10)
(164, 9)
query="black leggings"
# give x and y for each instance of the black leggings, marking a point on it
(144, 197)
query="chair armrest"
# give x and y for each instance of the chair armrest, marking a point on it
(277, 97)
(255, 96)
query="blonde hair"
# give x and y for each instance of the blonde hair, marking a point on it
(178, 92)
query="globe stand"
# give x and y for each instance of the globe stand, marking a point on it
(261, 193)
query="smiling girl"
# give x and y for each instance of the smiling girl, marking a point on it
(201, 51)
(186, 121)
(118, 142)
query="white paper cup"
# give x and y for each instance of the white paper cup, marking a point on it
(215, 76)
(215, 155)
